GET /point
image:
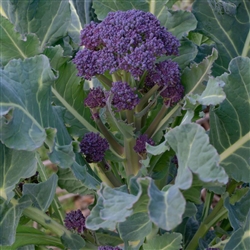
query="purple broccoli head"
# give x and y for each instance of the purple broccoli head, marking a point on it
(140, 145)
(93, 146)
(124, 97)
(108, 248)
(172, 94)
(96, 98)
(75, 221)
(128, 40)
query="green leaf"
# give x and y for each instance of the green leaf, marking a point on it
(10, 214)
(136, 227)
(108, 239)
(49, 20)
(103, 7)
(229, 122)
(88, 179)
(195, 154)
(166, 207)
(83, 10)
(14, 165)
(237, 213)
(240, 239)
(26, 236)
(167, 241)
(42, 194)
(13, 46)
(192, 78)
(67, 180)
(179, 23)
(226, 19)
(25, 106)
(75, 26)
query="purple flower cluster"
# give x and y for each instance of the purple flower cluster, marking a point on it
(124, 97)
(108, 248)
(96, 98)
(93, 146)
(140, 145)
(128, 40)
(166, 74)
(75, 221)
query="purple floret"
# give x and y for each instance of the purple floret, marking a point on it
(108, 248)
(96, 98)
(124, 97)
(75, 221)
(93, 146)
(140, 145)
(173, 94)
(164, 73)
(129, 40)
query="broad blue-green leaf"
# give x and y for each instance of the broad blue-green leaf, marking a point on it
(13, 46)
(212, 95)
(25, 103)
(10, 213)
(108, 239)
(67, 180)
(179, 23)
(42, 194)
(49, 20)
(83, 9)
(192, 78)
(229, 123)
(237, 213)
(240, 239)
(87, 178)
(75, 26)
(103, 7)
(195, 154)
(166, 207)
(14, 165)
(94, 221)
(167, 241)
(226, 19)
(136, 227)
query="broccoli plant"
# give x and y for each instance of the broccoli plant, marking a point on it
(113, 94)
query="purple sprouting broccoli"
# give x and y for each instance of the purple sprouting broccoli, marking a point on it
(124, 97)
(75, 221)
(164, 74)
(172, 94)
(140, 145)
(126, 40)
(96, 98)
(108, 248)
(93, 146)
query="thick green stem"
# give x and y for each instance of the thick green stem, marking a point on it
(145, 98)
(207, 204)
(130, 116)
(215, 216)
(105, 81)
(132, 164)
(55, 203)
(116, 77)
(109, 174)
(119, 150)
(153, 126)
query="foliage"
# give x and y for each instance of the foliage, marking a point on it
(137, 149)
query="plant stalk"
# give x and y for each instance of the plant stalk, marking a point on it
(119, 150)
(105, 81)
(55, 203)
(215, 216)
(153, 126)
(132, 165)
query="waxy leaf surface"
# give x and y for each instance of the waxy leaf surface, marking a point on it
(229, 132)
(195, 154)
